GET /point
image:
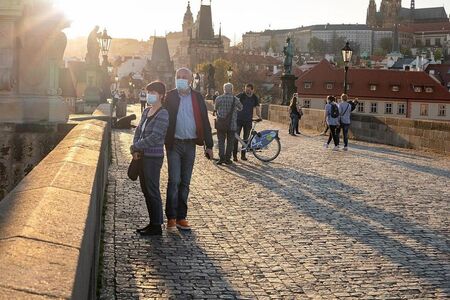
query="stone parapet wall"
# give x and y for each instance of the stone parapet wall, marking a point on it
(405, 133)
(50, 222)
(22, 147)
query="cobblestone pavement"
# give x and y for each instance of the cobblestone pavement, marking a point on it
(370, 223)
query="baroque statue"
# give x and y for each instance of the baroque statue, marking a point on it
(288, 51)
(93, 47)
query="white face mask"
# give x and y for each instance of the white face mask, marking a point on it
(151, 99)
(182, 84)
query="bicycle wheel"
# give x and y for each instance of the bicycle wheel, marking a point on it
(269, 152)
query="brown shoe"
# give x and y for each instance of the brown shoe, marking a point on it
(171, 224)
(183, 225)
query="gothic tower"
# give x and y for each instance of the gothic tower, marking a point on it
(371, 19)
(188, 22)
(390, 10)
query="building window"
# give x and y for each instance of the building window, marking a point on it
(428, 89)
(388, 108)
(373, 87)
(395, 88)
(427, 42)
(308, 85)
(437, 42)
(424, 109)
(418, 89)
(401, 109)
(307, 103)
(360, 107)
(373, 107)
(442, 110)
(329, 86)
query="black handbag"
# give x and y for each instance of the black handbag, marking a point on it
(134, 169)
(224, 124)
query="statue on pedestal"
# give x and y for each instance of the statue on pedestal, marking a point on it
(288, 51)
(93, 47)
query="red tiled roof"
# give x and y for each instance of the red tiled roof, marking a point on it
(425, 27)
(361, 79)
(253, 59)
(441, 72)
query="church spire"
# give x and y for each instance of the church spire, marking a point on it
(220, 30)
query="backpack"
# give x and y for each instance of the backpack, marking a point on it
(334, 111)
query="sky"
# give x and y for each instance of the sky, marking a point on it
(141, 19)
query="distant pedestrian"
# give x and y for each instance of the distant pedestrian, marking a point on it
(300, 115)
(250, 104)
(332, 119)
(226, 107)
(148, 146)
(345, 111)
(143, 99)
(294, 114)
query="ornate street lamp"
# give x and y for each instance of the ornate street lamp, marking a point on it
(105, 45)
(230, 73)
(347, 53)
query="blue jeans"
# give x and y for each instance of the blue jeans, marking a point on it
(345, 128)
(149, 180)
(181, 160)
(293, 127)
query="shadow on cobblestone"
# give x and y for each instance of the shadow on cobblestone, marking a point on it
(327, 201)
(409, 165)
(181, 269)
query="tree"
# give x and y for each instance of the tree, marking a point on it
(317, 46)
(438, 55)
(337, 43)
(386, 44)
(406, 52)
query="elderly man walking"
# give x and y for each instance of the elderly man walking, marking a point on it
(188, 126)
(226, 107)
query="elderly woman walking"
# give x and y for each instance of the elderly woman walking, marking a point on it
(227, 106)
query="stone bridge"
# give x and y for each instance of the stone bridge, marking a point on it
(370, 223)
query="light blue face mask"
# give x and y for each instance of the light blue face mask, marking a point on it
(182, 84)
(151, 99)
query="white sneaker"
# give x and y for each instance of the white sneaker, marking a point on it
(345, 148)
(325, 146)
(336, 148)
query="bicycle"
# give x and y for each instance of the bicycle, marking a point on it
(264, 145)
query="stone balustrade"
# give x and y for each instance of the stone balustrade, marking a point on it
(405, 133)
(50, 223)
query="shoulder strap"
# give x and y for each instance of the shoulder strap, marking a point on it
(345, 109)
(147, 121)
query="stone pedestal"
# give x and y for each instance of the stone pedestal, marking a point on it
(32, 109)
(32, 45)
(288, 88)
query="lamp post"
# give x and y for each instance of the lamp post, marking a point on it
(230, 73)
(347, 53)
(105, 45)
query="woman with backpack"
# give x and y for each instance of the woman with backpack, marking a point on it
(332, 119)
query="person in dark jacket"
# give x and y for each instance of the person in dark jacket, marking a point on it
(148, 145)
(294, 114)
(250, 103)
(188, 126)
